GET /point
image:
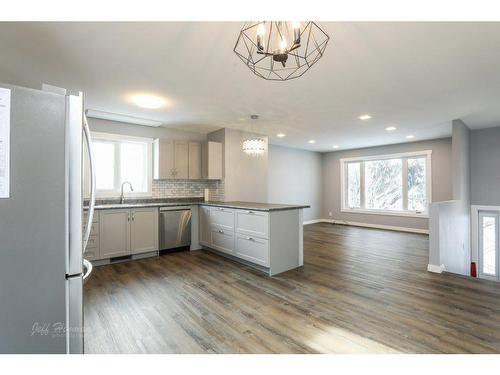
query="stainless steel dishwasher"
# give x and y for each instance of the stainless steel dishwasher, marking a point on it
(175, 227)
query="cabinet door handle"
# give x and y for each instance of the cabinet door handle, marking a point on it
(221, 231)
(249, 212)
(250, 239)
(133, 216)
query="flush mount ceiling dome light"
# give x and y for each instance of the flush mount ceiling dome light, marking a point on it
(280, 50)
(148, 101)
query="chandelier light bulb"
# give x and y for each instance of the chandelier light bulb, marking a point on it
(261, 29)
(296, 25)
(283, 45)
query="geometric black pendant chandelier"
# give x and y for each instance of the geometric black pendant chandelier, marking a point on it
(280, 50)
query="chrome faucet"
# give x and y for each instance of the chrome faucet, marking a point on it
(131, 189)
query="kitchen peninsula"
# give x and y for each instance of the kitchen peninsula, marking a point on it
(266, 236)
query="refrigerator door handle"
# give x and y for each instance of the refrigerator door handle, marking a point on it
(88, 270)
(88, 139)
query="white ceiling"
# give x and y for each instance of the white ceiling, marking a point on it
(415, 76)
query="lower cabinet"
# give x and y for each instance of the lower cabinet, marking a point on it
(252, 249)
(128, 231)
(240, 233)
(144, 230)
(114, 226)
(92, 251)
(222, 240)
(204, 225)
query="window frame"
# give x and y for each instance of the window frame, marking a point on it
(116, 191)
(404, 156)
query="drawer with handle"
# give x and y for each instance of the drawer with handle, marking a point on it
(252, 249)
(222, 216)
(252, 223)
(222, 240)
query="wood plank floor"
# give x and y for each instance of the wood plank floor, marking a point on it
(360, 291)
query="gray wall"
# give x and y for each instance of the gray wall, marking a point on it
(451, 244)
(245, 176)
(485, 166)
(441, 181)
(295, 177)
(460, 161)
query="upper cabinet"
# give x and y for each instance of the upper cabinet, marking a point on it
(171, 160)
(212, 161)
(181, 160)
(163, 166)
(187, 160)
(194, 161)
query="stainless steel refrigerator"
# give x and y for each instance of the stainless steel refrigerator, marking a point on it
(42, 233)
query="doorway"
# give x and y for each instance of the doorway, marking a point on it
(488, 249)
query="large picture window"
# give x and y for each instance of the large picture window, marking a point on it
(121, 158)
(397, 184)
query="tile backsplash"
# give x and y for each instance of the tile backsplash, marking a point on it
(188, 188)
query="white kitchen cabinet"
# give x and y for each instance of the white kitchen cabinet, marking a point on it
(128, 231)
(114, 229)
(194, 161)
(271, 241)
(181, 160)
(163, 159)
(252, 249)
(212, 160)
(204, 215)
(222, 240)
(172, 160)
(143, 230)
(252, 223)
(222, 217)
(92, 251)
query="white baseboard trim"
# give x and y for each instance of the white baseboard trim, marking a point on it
(376, 226)
(435, 269)
(307, 222)
(380, 226)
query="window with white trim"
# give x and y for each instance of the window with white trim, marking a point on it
(120, 158)
(396, 184)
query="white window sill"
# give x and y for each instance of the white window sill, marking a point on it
(423, 215)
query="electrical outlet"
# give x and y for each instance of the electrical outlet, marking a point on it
(330, 214)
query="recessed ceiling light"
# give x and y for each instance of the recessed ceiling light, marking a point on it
(410, 136)
(390, 128)
(148, 101)
(280, 135)
(365, 117)
(312, 141)
(335, 146)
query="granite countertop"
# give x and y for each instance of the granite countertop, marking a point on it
(254, 206)
(152, 202)
(101, 204)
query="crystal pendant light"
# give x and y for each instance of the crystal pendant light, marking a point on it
(254, 146)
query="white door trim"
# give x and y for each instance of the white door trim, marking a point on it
(475, 209)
